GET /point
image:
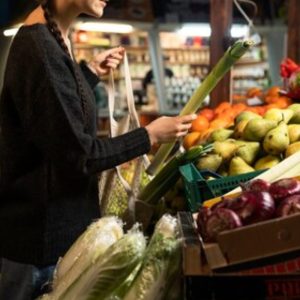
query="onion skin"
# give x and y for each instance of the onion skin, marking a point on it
(252, 206)
(289, 206)
(220, 220)
(256, 185)
(283, 188)
(202, 217)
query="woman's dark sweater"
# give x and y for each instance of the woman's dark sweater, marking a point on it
(48, 161)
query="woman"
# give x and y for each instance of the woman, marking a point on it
(49, 152)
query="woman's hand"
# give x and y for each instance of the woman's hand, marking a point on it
(103, 62)
(169, 129)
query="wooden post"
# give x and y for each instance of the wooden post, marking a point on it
(220, 22)
(293, 47)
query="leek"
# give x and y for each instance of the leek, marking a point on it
(229, 58)
(169, 174)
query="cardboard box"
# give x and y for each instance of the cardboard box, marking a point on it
(271, 271)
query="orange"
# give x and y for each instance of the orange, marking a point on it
(273, 91)
(220, 123)
(222, 106)
(191, 139)
(200, 124)
(208, 113)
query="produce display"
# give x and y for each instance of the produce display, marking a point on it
(245, 138)
(258, 201)
(105, 263)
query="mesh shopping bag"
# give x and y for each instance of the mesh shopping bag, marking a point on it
(119, 186)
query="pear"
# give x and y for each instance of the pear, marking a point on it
(225, 149)
(294, 107)
(246, 115)
(277, 139)
(239, 129)
(296, 118)
(220, 134)
(256, 129)
(239, 166)
(267, 162)
(294, 132)
(247, 150)
(292, 148)
(211, 162)
(277, 114)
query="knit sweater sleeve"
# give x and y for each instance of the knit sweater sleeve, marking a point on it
(91, 78)
(52, 117)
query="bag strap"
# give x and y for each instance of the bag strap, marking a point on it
(123, 126)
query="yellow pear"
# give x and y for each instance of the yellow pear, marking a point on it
(294, 132)
(256, 129)
(277, 139)
(225, 149)
(220, 135)
(292, 148)
(247, 150)
(296, 118)
(239, 166)
(267, 162)
(277, 114)
(294, 107)
(239, 129)
(210, 161)
(246, 115)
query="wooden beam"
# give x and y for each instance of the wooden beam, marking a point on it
(293, 47)
(220, 22)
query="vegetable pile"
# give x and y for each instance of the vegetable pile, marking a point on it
(258, 201)
(105, 263)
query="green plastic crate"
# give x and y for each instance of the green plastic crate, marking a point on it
(198, 189)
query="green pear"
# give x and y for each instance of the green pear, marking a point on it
(247, 150)
(277, 139)
(220, 135)
(296, 118)
(239, 129)
(211, 162)
(256, 129)
(239, 166)
(294, 107)
(292, 148)
(267, 162)
(225, 149)
(246, 115)
(294, 132)
(277, 114)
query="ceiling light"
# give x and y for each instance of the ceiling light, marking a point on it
(204, 30)
(104, 27)
(190, 30)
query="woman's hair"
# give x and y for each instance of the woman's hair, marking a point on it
(47, 6)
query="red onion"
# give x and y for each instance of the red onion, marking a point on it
(256, 185)
(253, 206)
(203, 215)
(220, 220)
(284, 187)
(289, 206)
